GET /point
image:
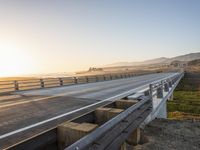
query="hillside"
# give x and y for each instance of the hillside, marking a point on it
(161, 60)
(194, 62)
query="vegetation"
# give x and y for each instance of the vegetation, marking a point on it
(183, 116)
(186, 102)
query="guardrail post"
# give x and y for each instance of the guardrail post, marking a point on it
(87, 80)
(104, 77)
(160, 92)
(61, 81)
(110, 77)
(170, 83)
(97, 79)
(151, 90)
(16, 85)
(42, 83)
(123, 146)
(173, 81)
(166, 87)
(75, 80)
(134, 138)
(116, 77)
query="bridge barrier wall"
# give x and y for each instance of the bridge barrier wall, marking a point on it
(38, 83)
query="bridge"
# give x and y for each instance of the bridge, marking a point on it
(98, 112)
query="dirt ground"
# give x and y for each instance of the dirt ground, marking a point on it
(164, 134)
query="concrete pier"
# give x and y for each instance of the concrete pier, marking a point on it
(70, 132)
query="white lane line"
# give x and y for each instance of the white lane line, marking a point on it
(40, 99)
(113, 98)
(45, 98)
(9, 104)
(68, 113)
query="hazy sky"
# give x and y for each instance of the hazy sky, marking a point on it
(42, 36)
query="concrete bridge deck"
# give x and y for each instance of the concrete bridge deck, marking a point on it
(25, 114)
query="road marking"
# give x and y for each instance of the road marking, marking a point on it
(68, 113)
(45, 98)
(113, 98)
(39, 99)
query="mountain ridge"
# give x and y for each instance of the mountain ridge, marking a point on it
(161, 60)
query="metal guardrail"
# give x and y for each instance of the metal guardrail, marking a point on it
(159, 87)
(113, 128)
(39, 83)
(114, 132)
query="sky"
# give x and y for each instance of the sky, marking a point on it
(52, 36)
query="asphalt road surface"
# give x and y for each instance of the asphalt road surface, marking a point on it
(24, 114)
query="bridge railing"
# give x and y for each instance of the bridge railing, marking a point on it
(111, 134)
(38, 83)
(114, 132)
(158, 88)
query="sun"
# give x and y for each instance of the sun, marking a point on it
(14, 61)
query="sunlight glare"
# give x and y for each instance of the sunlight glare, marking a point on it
(14, 61)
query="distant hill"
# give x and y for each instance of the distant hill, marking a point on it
(187, 57)
(161, 60)
(194, 62)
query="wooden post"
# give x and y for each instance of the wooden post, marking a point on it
(42, 83)
(110, 77)
(101, 115)
(16, 85)
(87, 80)
(104, 77)
(97, 79)
(70, 132)
(124, 104)
(75, 80)
(134, 137)
(113, 112)
(61, 81)
(104, 114)
(123, 146)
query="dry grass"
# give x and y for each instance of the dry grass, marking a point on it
(183, 116)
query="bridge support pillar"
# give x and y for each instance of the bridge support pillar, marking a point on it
(162, 111)
(134, 138)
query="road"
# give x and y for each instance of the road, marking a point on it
(28, 113)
